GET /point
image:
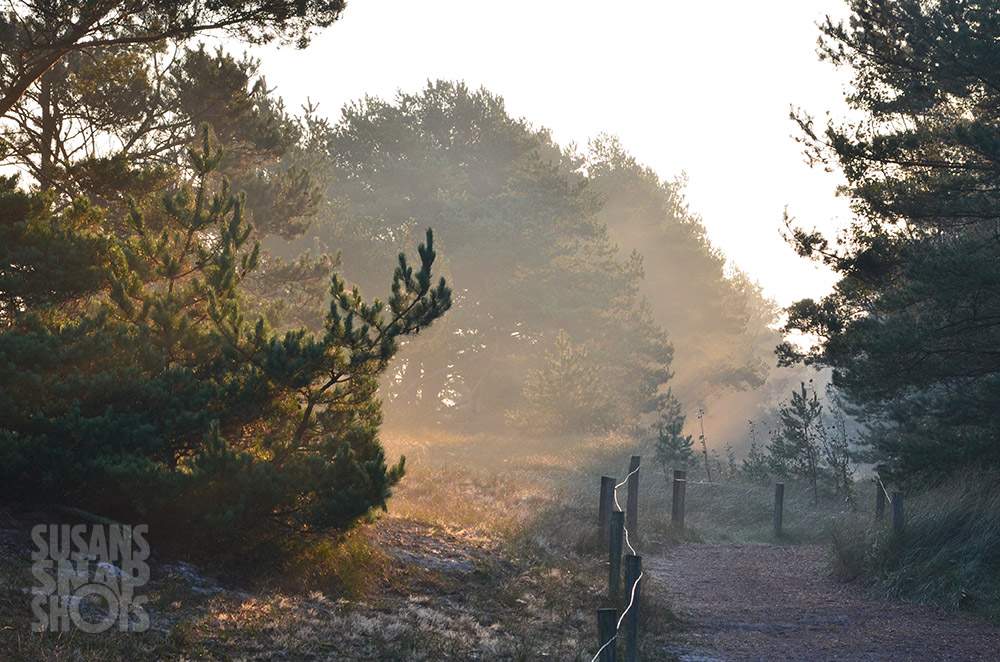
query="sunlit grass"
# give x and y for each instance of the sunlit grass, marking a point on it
(350, 566)
(547, 490)
(512, 489)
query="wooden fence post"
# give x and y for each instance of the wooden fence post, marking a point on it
(607, 625)
(677, 503)
(615, 572)
(897, 513)
(879, 501)
(779, 506)
(633, 570)
(632, 509)
(607, 505)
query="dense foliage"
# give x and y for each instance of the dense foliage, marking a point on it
(136, 383)
(594, 246)
(519, 226)
(717, 317)
(117, 122)
(912, 327)
(114, 125)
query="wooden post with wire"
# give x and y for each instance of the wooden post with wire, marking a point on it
(779, 507)
(879, 500)
(607, 505)
(607, 626)
(633, 571)
(615, 554)
(677, 503)
(632, 507)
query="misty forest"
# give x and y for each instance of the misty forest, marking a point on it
(360, 370)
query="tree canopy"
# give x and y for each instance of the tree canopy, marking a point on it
(518, 224)
(593, 246)
(115, 123)
(36, 35)
(718, 319)
(912, 327)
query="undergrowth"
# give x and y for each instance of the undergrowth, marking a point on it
(948, 553)
(490, 550)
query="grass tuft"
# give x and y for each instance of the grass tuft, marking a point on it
(349, 567)
(947, 555)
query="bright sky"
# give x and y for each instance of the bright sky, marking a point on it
(700, 87)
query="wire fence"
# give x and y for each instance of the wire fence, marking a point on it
(732, 499)
(633, 590)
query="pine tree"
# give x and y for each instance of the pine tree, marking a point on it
(564, 395)
(523, 237)
(113, 125)
(672, 449)
(795, 448)
(717, 318)
(911, 327)
(140, 386)
(35, 36)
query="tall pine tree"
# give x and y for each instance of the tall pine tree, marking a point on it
(912, 326)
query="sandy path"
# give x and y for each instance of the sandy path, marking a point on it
(776, 603)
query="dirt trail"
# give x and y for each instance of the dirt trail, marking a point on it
(777, 603)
